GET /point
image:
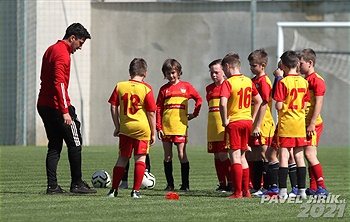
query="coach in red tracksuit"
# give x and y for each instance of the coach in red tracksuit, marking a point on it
(58, 115)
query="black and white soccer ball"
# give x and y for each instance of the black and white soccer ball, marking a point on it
(100, 179)
(148, 181)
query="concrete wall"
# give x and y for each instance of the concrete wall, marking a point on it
(195, 34)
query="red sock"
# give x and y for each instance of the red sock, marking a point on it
(220, 173)
(319, 175)
(245, 179)
(227, 169)
(236, 171)
(313, 184)
(118, 173)
(138, 174)
(251, 173)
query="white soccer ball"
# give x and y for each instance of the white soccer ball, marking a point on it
(148, 181)
(100, 179)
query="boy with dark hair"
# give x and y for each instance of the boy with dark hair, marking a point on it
(58, 115)
(215, 131)
(291, 96)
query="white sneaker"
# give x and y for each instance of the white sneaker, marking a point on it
(283, 193)
(136, 194)
(259, 192)
(123, 185)
(302, 193)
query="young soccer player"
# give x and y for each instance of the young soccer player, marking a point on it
(135, 124)
(236, 95)
(272, 156)
(215, 131)
(172, 120)
(314, 123)
(272, 150)
(291, 96)
(258, 61)
(124, 183)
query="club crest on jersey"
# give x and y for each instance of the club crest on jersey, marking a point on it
(257, 85)
(183, 90)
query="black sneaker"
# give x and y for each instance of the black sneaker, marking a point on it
(82, 188)
(169, 188)
(56, 190)
(229, 188)
(221, 189)
(112, 193)
(184, 188)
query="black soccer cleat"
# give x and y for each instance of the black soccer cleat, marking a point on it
(169, 188)
(56, 190)
(184, 188)
(81, 188)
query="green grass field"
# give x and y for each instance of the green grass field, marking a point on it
(23, 187)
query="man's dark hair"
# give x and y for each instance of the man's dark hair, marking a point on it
(78, 31)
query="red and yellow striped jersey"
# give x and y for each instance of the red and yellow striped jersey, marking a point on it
(134, 99)
(215, 130)
(172, 107)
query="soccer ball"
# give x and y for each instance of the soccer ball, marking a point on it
(100, 179)
(148, 181)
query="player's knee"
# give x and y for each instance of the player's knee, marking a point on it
(168, 158)
(74, 149)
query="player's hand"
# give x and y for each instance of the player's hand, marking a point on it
(256, 132)
(226, 122)
(67, 119)
(116, 133)
(249, 149)
(160, 134)
(310, 130)
(278, 72)
(152, 140)
(190, 116)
